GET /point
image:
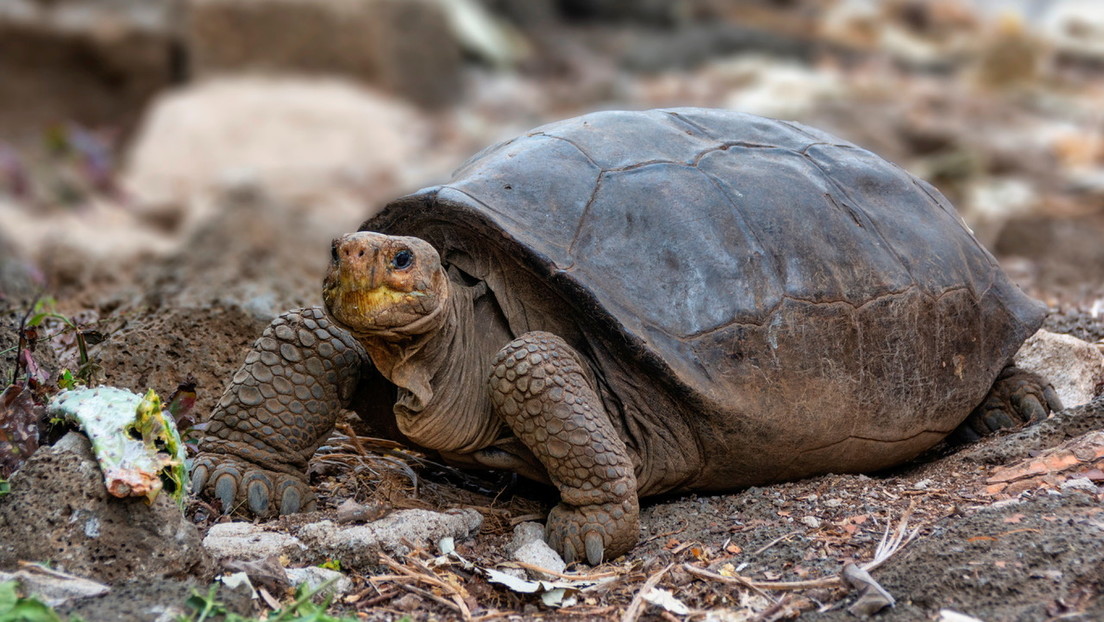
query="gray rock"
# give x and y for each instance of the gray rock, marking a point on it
(1083, 484)
(356, 546)
(154, 600)
(247, 541)
(1073, 366)
(360, 545)
(59, 511)
(314, 577)
(524, 533)
(54, 588)
(528, 546)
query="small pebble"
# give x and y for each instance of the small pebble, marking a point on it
(1079, 483)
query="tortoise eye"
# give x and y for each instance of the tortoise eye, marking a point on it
(402, 260)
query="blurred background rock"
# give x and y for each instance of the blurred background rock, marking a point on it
(192, 158)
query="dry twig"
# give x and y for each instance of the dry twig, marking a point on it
(775, 541)
(564, 575)
(526, 518)
(886, 548)
(437, 599)
(425, 575)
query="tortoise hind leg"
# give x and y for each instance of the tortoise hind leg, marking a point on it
(1018, 397)
(279, 407)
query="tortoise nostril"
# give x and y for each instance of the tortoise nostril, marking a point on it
(361, 253)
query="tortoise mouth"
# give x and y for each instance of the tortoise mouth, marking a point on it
(382, 297)
(362, 309)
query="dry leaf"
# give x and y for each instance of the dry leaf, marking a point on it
(665, 599)
(872, 597)
(19, 417)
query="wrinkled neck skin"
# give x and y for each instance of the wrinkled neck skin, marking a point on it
(439, 370)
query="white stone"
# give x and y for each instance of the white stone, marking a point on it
(360, 545)
(247, 541)
(314, 577)
(1079, 483)
(524, 533)
(54, 588)
(528, 546)
(1073, 366)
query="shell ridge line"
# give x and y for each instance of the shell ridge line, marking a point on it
(573, 144)
(485, 206)
(819, 141)
(859, 437)
(774, 264)
(507, 216)
(678, 118)
(844, 207)
(873, 225)
(949, 210)
(789, 297)
(583, 219)
(637, 165)
(725, 146)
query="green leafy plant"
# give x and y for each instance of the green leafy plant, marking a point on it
(331, 564)
(303, 609)
(66, 380)
(44, 309)
(15, 608)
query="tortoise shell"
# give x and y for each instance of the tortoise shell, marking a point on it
(788, 288)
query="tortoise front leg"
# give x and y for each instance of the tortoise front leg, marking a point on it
(541, 391)
(280, 407)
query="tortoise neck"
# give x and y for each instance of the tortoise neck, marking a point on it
(442, 403)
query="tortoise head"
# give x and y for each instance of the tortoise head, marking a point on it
(379, 283)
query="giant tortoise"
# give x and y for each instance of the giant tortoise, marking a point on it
(632, 303)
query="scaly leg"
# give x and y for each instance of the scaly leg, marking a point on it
(280, 407)
(540, 388)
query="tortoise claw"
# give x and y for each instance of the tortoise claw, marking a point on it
(1030, 407)
(236, 483)
(1017, 397)
(592, 532)
(569, 552)
(1053, 402)
(258, 488)
(199, 477)
(996, 420)
(226, 489)
(595, 548)
(291, 498)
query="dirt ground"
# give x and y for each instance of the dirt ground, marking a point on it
(1007, 529)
